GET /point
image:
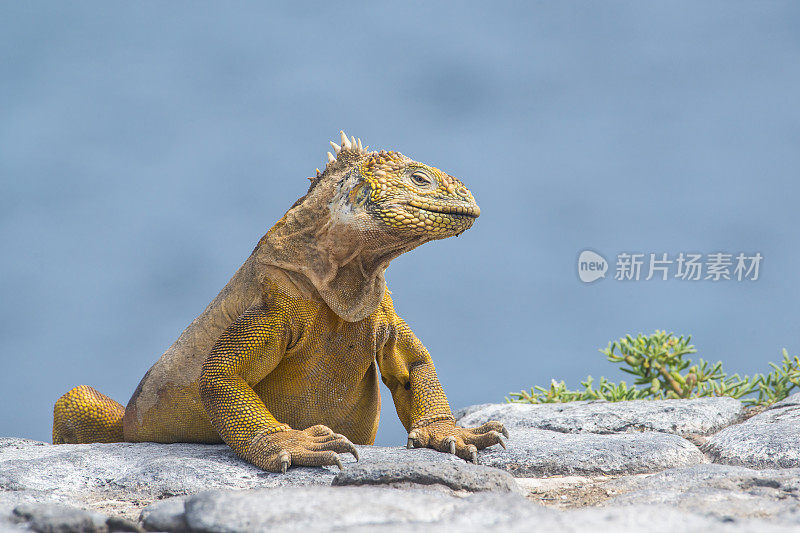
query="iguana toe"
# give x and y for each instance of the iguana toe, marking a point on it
(484, 440)
(340, 445)
(319, 431)
(492, 425)
(317, 458)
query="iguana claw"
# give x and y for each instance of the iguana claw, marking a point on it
(473, 453)
(349, 446)
(450, 442)
(285, 460)
(412, 438)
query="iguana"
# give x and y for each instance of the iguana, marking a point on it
(283, 364)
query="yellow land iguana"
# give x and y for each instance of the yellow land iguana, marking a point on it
(283, 364)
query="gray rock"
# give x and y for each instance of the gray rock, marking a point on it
(768, 440)
(143, 469)
(9, 500)
(51, 517)
(132, 475)
(658, 519)
(165, 515)
(16, 442)
(719, 491)
(9, 527)
(380, 509)
(351, 508)
(537, 452)
(461, 476)
(701, 416)
(115, 523)
(163, 470)
(595, 440)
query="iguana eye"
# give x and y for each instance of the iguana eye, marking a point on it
(421, 179)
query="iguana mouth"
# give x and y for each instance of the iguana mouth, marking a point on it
(467, 210)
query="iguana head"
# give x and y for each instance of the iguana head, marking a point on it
(412, 197)
(388, 193)
(360, 213)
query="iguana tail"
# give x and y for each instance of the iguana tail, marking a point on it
(84, 415)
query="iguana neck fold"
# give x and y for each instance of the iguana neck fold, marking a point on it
(325, 251)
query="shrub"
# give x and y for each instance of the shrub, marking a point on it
(663, 371)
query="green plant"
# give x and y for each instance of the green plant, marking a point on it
(662, 371)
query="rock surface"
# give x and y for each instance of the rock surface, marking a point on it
(538, 452)
(455, 476)
(166, 515)
(768, 440)
(372, 508)
(119, 478)
(626, 466)
(719, 491)
(701, 416)
(364, 509)
(57, 518)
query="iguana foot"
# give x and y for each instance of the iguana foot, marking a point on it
(445, 436)
(315, 446)
(85, 415)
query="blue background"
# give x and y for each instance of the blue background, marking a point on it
(144, 150)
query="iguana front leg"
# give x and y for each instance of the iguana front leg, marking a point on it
(433, 425)
(245, 353)
(408, 371)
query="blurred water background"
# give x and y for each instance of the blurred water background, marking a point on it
(145, 148)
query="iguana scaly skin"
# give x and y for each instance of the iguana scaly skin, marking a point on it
(283, 364)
